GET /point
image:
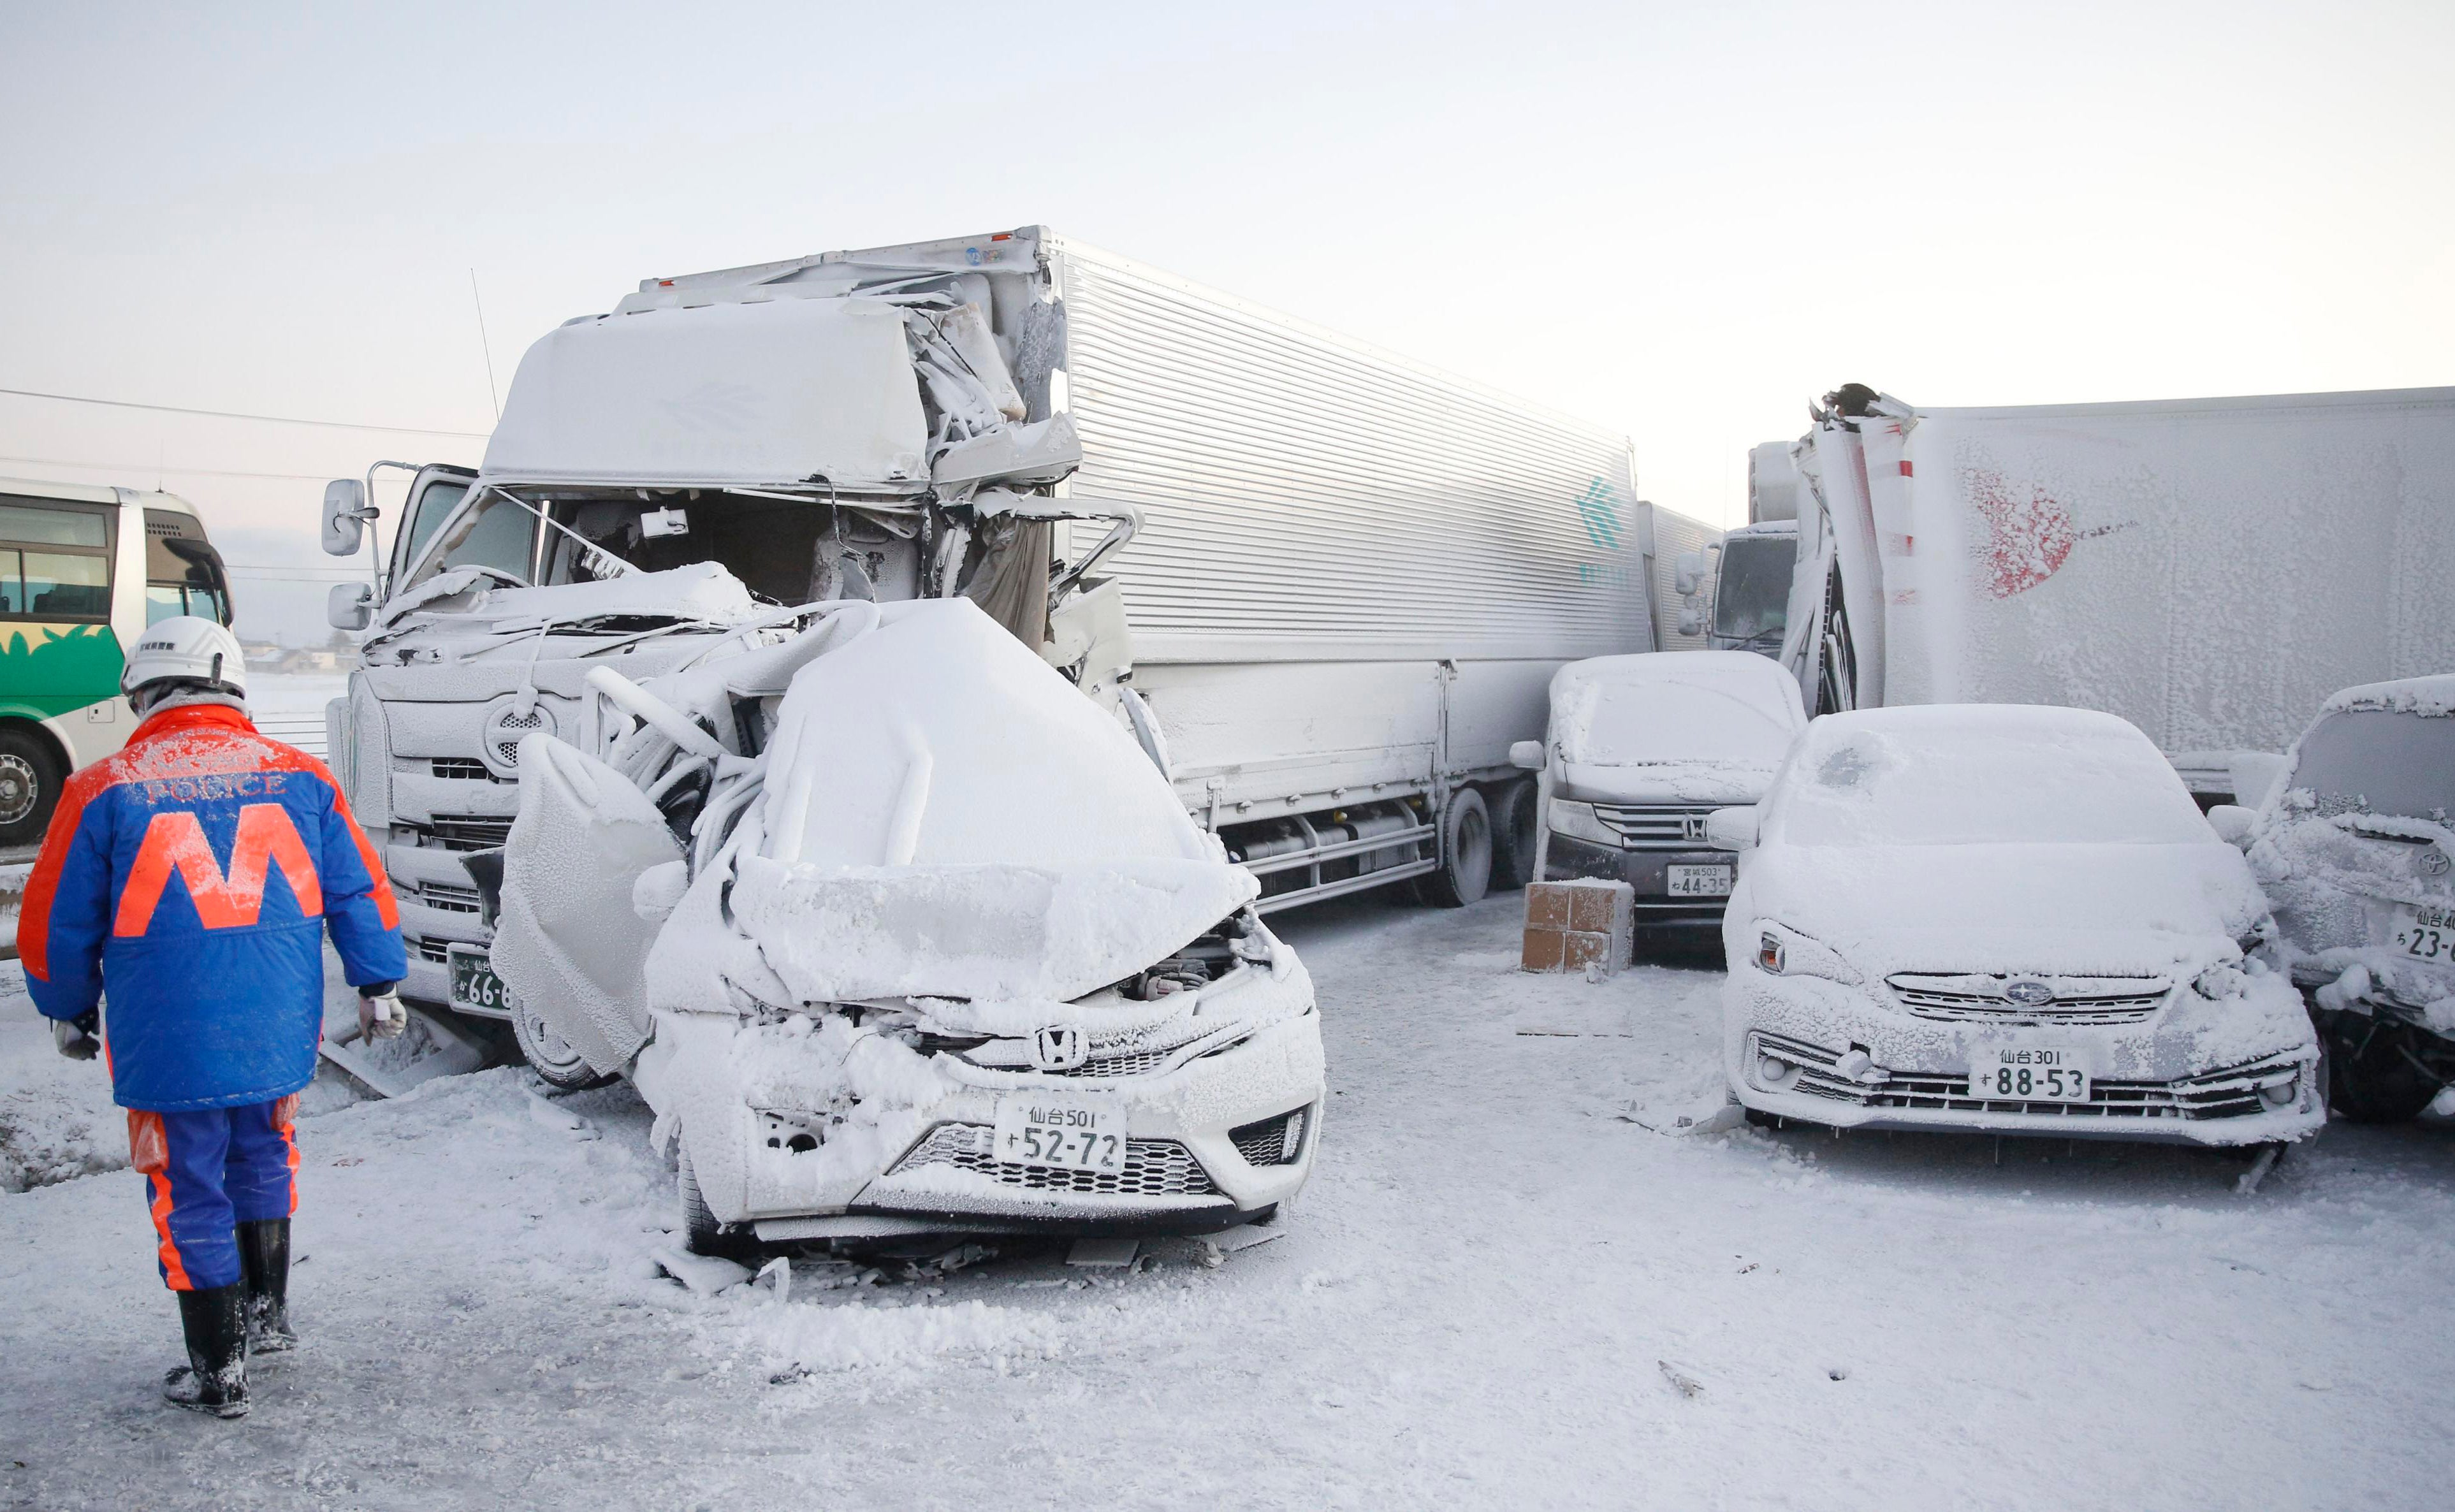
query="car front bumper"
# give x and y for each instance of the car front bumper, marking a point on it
(1647, 872)
(2148, 1081)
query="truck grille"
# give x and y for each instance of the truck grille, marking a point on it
(471, 833)
(1153, 1167)
(1654, 829)
(2228, 1093)
(448, 898)
(460, 769)
(433, 950)
(1979, 998)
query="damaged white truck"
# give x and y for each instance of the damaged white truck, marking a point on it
(1313, 591)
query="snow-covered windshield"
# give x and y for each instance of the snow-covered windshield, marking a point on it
(1983, 775)
(1702, 707)
(2380, 761)
(1751, 595)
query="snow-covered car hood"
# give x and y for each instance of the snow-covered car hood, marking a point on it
(2076, 909)
(1672, 727)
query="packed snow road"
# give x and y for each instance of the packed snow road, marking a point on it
(1513, 1282)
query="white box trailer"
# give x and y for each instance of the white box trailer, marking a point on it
(2210, 570)
(1326, 585)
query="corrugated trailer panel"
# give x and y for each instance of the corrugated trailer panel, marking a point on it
(1307, 498)
(1673, 535)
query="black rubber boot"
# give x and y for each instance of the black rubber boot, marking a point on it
(215, 1377)
(264, 1254)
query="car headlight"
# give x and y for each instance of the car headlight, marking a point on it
(2221, 982)
(1784, 952)
(1579, 822)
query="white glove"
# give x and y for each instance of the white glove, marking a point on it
(74, 1037)
(382, 1018)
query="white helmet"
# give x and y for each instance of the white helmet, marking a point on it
(188, 648)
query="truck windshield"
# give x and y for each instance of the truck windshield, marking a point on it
(1751, 596)
(2380, 761)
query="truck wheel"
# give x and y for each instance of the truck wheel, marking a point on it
(2380, 1084)
(1513, 836)
(550, 1055)
(1465, 872)
(31, 777)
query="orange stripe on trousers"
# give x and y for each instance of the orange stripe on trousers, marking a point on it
(148, 1150)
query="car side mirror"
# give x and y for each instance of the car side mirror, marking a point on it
(1526, 756)
(2255, 776)
(1690, 575)
(350, 606)
(1732, 828)
(345, 517)
(2232, 823)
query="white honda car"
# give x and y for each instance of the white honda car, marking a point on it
(2008, 919)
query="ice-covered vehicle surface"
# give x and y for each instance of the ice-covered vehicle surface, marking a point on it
(1642, 748)
(2009, 919)
(926, 944)
(2356, 848)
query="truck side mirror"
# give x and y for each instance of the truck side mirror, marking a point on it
(345, 515)
(350, 606)
(1732, 828)
(1692, 621)
(1691, 573)
(1526, 755)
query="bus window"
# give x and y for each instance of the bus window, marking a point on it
(54, 560)
(183, 574)
(498, 534)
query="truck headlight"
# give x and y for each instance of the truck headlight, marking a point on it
(1579, 821)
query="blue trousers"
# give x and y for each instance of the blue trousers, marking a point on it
(207, 1172)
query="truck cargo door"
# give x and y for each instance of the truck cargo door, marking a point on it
(566, 940)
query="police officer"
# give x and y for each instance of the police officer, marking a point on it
(193, 876)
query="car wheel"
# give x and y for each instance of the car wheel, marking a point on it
(1465, 872)
(31, 777)
(702, 1233)
(550, 1055)
(2371, 1077)
(1513, 836)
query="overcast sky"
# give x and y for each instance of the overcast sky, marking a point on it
(1683, 221)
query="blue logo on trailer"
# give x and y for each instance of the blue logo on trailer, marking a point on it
(1599, 506)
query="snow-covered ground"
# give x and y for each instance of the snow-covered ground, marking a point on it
(1510, 1284)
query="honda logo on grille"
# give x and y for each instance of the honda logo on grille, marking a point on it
(2030, 993)
(1060, 1047)
(1693, 826)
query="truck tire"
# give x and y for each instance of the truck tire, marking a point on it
(31, 774)
(1465, 872)
(1514, 835)
(550, 1055)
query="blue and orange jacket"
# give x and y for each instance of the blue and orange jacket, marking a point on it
(191, 876)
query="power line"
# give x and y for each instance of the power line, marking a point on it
(232, 415)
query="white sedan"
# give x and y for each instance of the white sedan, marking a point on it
(2008, 919)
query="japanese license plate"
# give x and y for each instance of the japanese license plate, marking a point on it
(1059, 1133)
(2027, 1074)
(2426, 931)
(1699, 881)
(475, 987)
